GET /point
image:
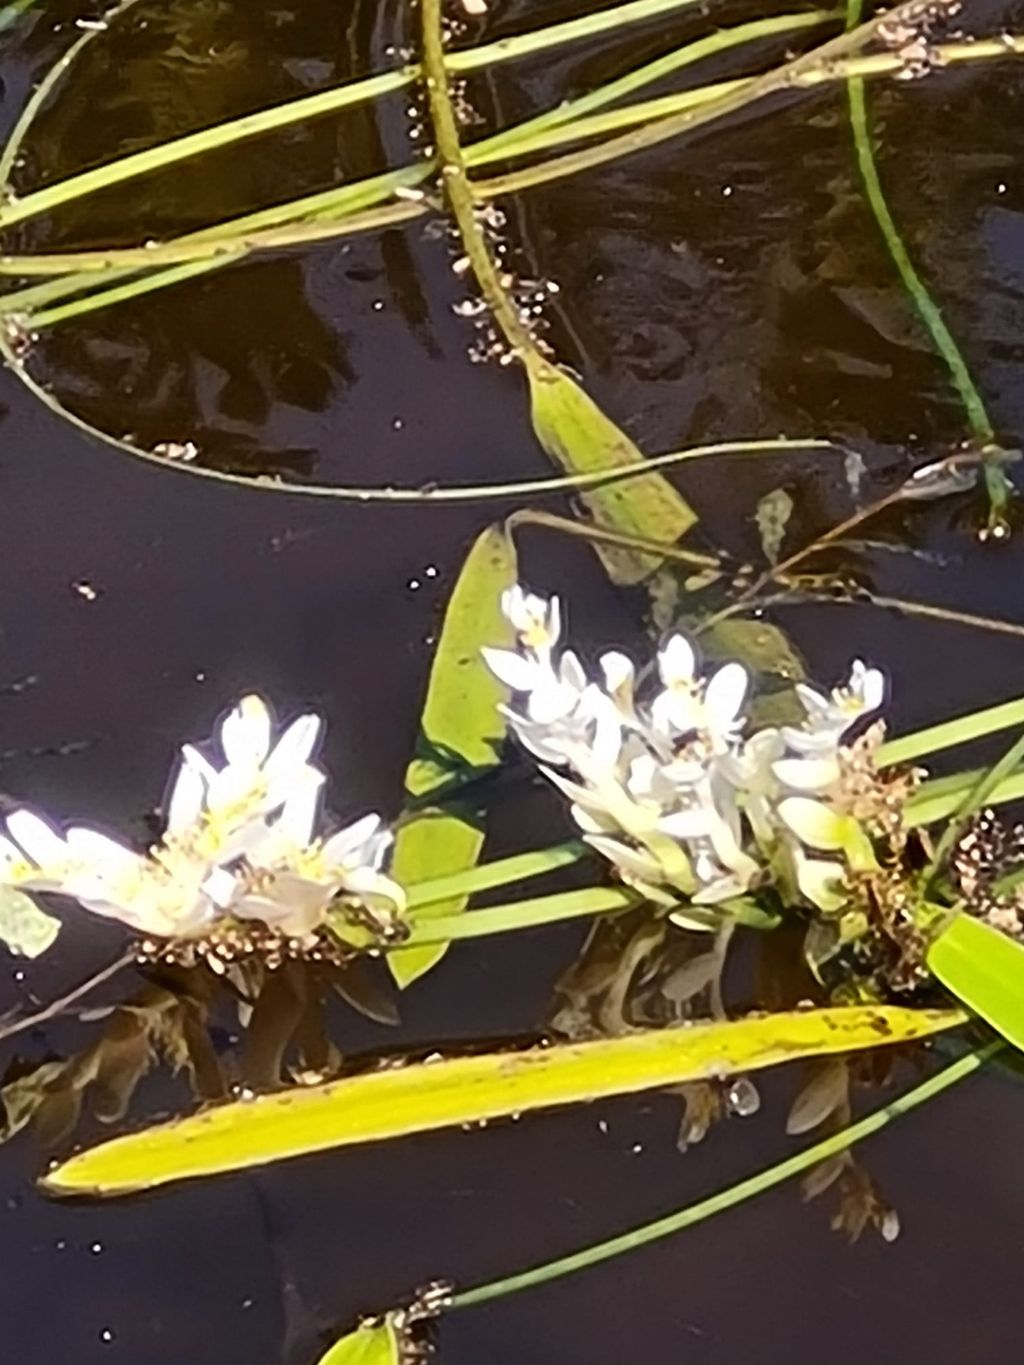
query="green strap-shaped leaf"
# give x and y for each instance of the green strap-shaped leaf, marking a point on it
(583, 439)
(460, 734)
(397, 1101)
(984, 969)
(369, 1344)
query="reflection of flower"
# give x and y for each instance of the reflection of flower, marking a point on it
(673, 792)
(240, 842)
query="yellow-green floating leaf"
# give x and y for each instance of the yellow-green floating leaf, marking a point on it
(460, 734)
(575, 432)
(373, 1343)
(401, 1100)
(984, 969)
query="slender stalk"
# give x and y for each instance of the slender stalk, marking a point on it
(736, 1194)
(921, 743)
(246, 234)
(927, 309)
(308, 107)
(8, 1029)
(525, 914)
(502, 872)
(519, 139)
(776, 81)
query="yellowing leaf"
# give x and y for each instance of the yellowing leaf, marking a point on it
(24, 928)
(460, 733)
(984, 969)
(370, 1344)
(398, 1101)
(575, 432)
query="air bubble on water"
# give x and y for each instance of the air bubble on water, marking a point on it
(742, 1098)
(430, 571)
(413, 584)
(96, 1248)
(107, 1335)
(397, 423)
(637, 1148)
(19, 975)
(378, 305)
(1001, 188)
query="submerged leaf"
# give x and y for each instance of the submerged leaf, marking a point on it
(575, 432)
(984, 969)
(373, 1343)
(398, 1101)
(773, 513)
(24, 928)
(827, 1089)
(460, 732)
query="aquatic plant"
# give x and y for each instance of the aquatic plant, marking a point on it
(707, 817)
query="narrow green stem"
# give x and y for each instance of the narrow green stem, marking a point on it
(996, 482)
(736, 1194)
(961, 730)
(525, 914)
(308, 106)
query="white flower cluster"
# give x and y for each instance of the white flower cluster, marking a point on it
(240, 843)
(673, 792)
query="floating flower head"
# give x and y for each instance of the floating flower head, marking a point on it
(679, 791)
(241, 842)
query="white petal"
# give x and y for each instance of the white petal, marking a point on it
(807, 774)
(191, 755)
(222, 887)
(813, 823)
(185, 803)
(632, 861)
(677, 662)
(101, 854)
(618, 671)
(293, 750)
(245, 732)
(867, 685)
(40, 841)
(10, 856)
(298, 818)
(363, 881)
(550, 701)
(687, 824)
(571, 672)
(349, 841)
(522, 675)
(815, 703)
(725, 695)
(821, 882)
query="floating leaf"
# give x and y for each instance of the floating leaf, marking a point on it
(772, 517)
(24, 928)
(460, 732)
(984, 969)
(575, 432)
(372, 1343)
(397, 1101)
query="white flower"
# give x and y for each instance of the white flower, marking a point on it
(551, 693)
(163, 898)
(290, 884)
(828, 718)
(256, 778)
(241, 841)
(536, 620)
(678, 706)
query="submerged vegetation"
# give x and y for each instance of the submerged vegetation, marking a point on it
(712, 799)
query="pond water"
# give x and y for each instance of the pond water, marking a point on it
(725, 285)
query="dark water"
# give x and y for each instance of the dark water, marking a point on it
(727, 285)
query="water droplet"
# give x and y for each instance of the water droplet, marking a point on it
(742, 1098)
(96, 1248)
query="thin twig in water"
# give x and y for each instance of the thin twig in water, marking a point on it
(64, 1002)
